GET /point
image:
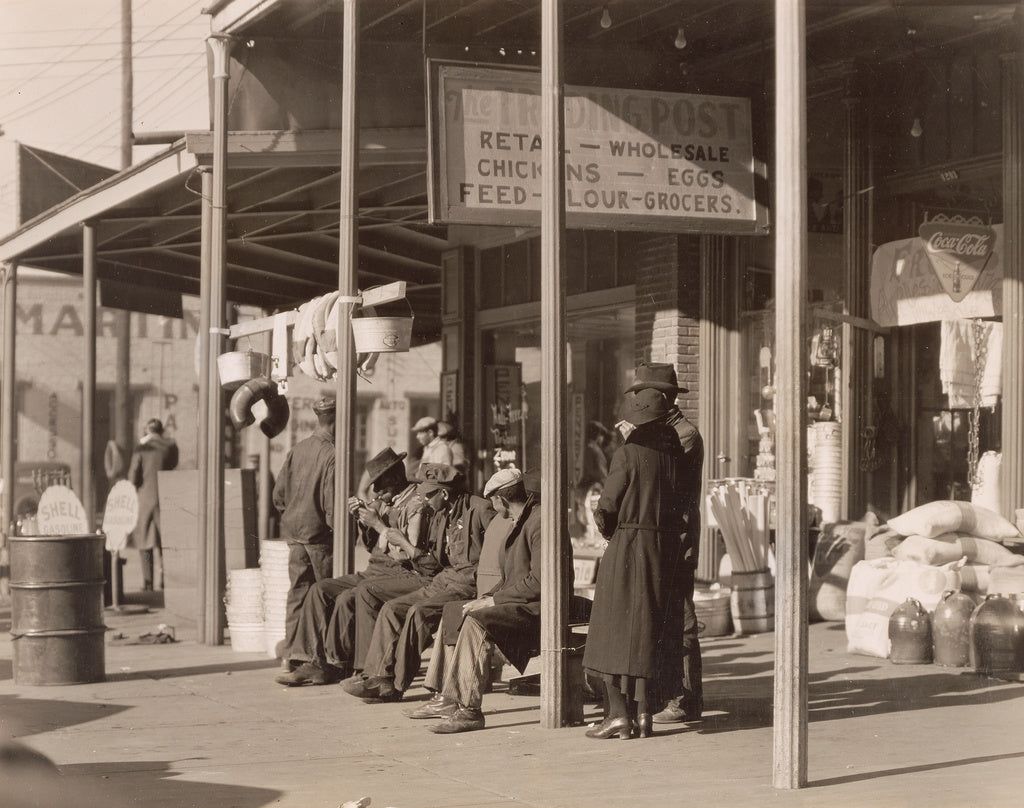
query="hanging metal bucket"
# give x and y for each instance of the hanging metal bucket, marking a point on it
(57, 609)
(237, 367)
(382, 334)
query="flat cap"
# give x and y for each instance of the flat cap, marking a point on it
(502, 479)
(426, 422)
(434, 476)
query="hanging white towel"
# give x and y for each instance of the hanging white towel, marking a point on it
(956, 363)
(992, 376)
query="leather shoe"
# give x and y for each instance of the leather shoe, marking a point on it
(308, 673)
(620, 726)
(437, 707)
(644, 728)
(464, 719)
(675, 715)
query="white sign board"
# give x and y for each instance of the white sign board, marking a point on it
(634, 159)
(907, 288)
(60, 513)
(120, 515)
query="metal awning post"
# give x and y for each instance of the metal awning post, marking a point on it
(205, 409)
(789, 760)
(220, 45)
(348, 237)
(89, 384)
(554, 410)
(7, 444)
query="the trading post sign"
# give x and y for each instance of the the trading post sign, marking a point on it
(634, 159)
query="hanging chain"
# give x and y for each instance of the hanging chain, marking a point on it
(980, 351)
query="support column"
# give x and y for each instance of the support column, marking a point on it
(459, 352)
(89, 376)
(208, 405)
(720, 419)
(856, 364)
(789, 725)
(554, 453)
(348, 239)
(220, 46)
(1012, 472)
(8, 439)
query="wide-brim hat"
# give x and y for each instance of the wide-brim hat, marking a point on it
(436, 476)
(385, 459)
(659, 376)
(645, 405)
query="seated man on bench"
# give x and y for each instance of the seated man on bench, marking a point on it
(405, 625)
(506, 618)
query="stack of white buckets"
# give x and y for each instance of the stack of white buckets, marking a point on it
(274, 568)
(826, 477)
(244, 606)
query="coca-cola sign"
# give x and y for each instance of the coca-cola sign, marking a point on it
(958, 250)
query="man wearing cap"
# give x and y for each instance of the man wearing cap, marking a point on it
(435, 450)
(394, 529)
(507, 618)
(304, 496)
(405, 625)
(655, 384)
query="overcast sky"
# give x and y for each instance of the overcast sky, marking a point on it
(60, 78)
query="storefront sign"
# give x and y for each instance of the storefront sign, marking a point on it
(61, 513)
(634, 159)
(120, 514)
(503, 414)
(958, 251)
(912, 282)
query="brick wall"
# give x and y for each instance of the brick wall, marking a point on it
(668, 309)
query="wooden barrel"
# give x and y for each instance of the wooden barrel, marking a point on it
(57, 609)
(752, 602)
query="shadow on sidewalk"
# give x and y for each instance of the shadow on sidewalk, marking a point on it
(33, 715)
(195, 670)
(158, 783)
(923, 767)
(746, 703)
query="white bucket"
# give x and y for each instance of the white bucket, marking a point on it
(382, 334)
(247, 637)
(237, 367)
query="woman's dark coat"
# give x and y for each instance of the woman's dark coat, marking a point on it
(636, 625)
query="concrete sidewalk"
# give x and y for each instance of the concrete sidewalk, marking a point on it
(186, 724)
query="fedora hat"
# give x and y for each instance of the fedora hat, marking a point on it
(434, 476)
(381, 462)
(645, 405)
(659, 376)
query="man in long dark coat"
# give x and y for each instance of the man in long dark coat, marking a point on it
(153, 454)
(651, 382)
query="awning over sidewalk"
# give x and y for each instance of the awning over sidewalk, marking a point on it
(282, 241)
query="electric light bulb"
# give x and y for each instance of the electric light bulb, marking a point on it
(680, 42)
(916, 130)
(606, 18)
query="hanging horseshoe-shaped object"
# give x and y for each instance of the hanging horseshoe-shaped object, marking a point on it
(246, 396)
(277, 416)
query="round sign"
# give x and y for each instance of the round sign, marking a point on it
(60, 513)
(120, 515)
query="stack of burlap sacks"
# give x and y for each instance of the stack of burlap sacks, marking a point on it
(861, 571)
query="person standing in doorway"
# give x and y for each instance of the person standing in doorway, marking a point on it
(304, 496)
(154, 453)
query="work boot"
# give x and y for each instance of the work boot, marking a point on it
(308, 673)
(464, 719)
(437, 707)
